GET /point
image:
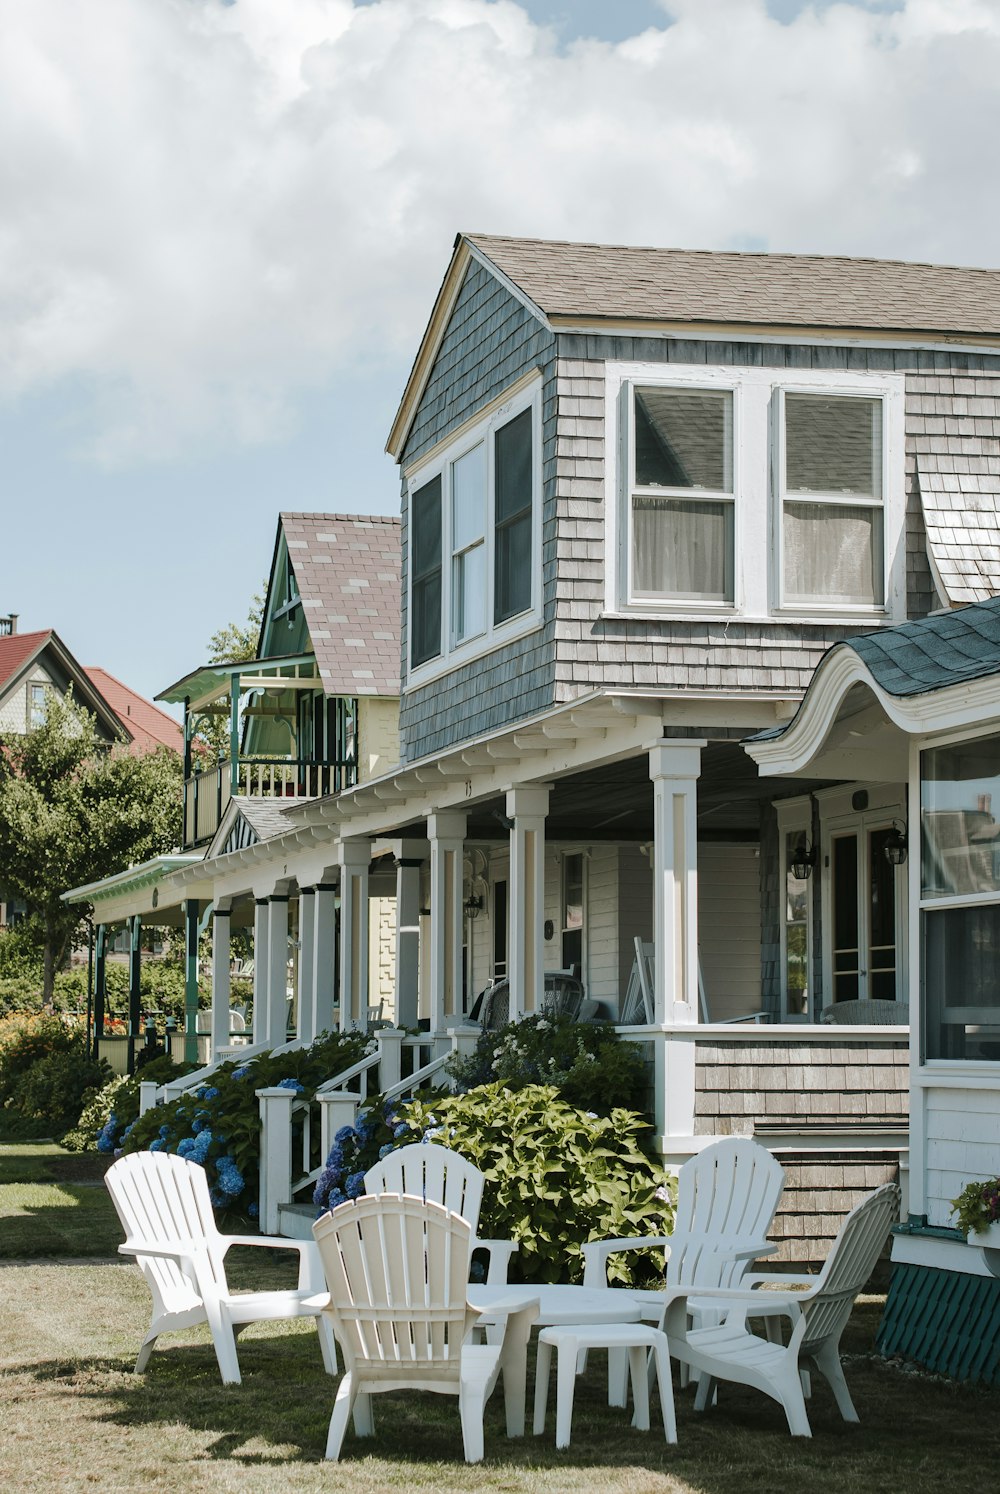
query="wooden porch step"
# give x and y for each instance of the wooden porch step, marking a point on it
(295, 1221)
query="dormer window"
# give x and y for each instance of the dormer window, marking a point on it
(475, 537)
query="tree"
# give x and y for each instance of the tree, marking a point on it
(233, 644)
(73, 811)
(237, 642)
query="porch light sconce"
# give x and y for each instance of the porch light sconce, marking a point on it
(473, 906)
(895, 847)
(803, 860)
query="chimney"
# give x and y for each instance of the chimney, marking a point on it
(8, 625)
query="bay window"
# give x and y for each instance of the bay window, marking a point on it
(474, 511)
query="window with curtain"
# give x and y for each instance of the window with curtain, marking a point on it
(831, 497)
(425, 574)
(682, 494)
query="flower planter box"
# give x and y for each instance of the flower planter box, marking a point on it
(987, 1239)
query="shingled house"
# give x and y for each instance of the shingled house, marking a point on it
(644, 493)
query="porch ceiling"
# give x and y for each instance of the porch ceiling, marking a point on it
(615, 801)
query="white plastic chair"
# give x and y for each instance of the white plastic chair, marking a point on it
(164, 1206)
(397, 1269)
(445, 1177)
(729, 1351)
(727, 1196)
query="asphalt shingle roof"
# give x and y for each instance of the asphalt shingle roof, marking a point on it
(933, 652)
(619, 282)
(266, 816)
(347, 567)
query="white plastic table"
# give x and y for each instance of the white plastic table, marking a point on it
(557, 1306)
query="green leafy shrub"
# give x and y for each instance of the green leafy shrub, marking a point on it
(218, 1124)
(47, 1098)
(110, 1111)
(556, 1176)
(586, 1062)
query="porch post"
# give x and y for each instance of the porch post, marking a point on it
(234, 733)
(221, 1021)
(100, 984)
(527, 807)
(134, 925)
(354, 858)
(674, 769)
(305, 1016)
(408, 865)
(446, 833)
(324, 963)
(277, 970)
(261, 920)
(192, 911)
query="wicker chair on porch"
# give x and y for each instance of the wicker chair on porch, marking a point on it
(562, 997)
(867, 1013)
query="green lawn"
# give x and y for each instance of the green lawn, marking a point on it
(53, 1203)
(73, 1416)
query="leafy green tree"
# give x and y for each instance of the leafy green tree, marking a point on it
(237, 642)
(73, 811)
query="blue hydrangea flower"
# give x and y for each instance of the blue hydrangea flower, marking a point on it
(253, 1210)
(242, 1071)
(185, 1146)
(157, 1144)
(355, 1185)
(385, 1150)
(292, 1084)
(346, 1133)
(401, 1130)
(209, 1093)
(164, 1131)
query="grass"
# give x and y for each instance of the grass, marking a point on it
(52, 1203)
(69, 1334)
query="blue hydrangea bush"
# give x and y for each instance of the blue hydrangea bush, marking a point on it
(218, 1124)
(110, 1112)
(378, 1130)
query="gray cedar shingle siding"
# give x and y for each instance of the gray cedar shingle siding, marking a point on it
(953, 425)
(780, 1089)
(491, 341)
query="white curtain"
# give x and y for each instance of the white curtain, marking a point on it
(682, 550)
(833, 553)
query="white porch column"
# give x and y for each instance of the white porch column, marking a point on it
(446, 833)
(674, 769)
(305, 1015)
(353, 858)
(324, 959)
(220, 979)
(276, 995)
(527, 807)
(261, 924)
(408, 864)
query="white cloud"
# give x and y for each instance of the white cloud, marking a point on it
(210, 207)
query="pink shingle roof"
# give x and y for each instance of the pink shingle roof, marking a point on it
(17, 649)
(347, 567)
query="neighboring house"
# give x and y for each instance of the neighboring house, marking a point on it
(314, 714)
(32, 665)
(644, 492)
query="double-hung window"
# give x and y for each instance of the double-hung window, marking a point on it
(755, 491)
(475, 536)
(681, 494)
(830, 476)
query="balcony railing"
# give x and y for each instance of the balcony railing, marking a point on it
(207, 794)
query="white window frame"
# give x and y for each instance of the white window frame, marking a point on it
(794, 818)
(758, 441)
(526, 395)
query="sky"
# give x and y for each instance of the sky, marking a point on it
(224, 223)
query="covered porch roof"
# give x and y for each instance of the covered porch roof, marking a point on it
(870, 694)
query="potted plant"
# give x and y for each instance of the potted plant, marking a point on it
(977, 1209)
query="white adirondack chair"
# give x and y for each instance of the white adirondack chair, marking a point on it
(445, 1177)
(727, 1196)
(730, 1351)
(397, 1269)
(164, 1206)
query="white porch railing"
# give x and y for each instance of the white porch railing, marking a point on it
(285, 1157)
(151, 1093)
